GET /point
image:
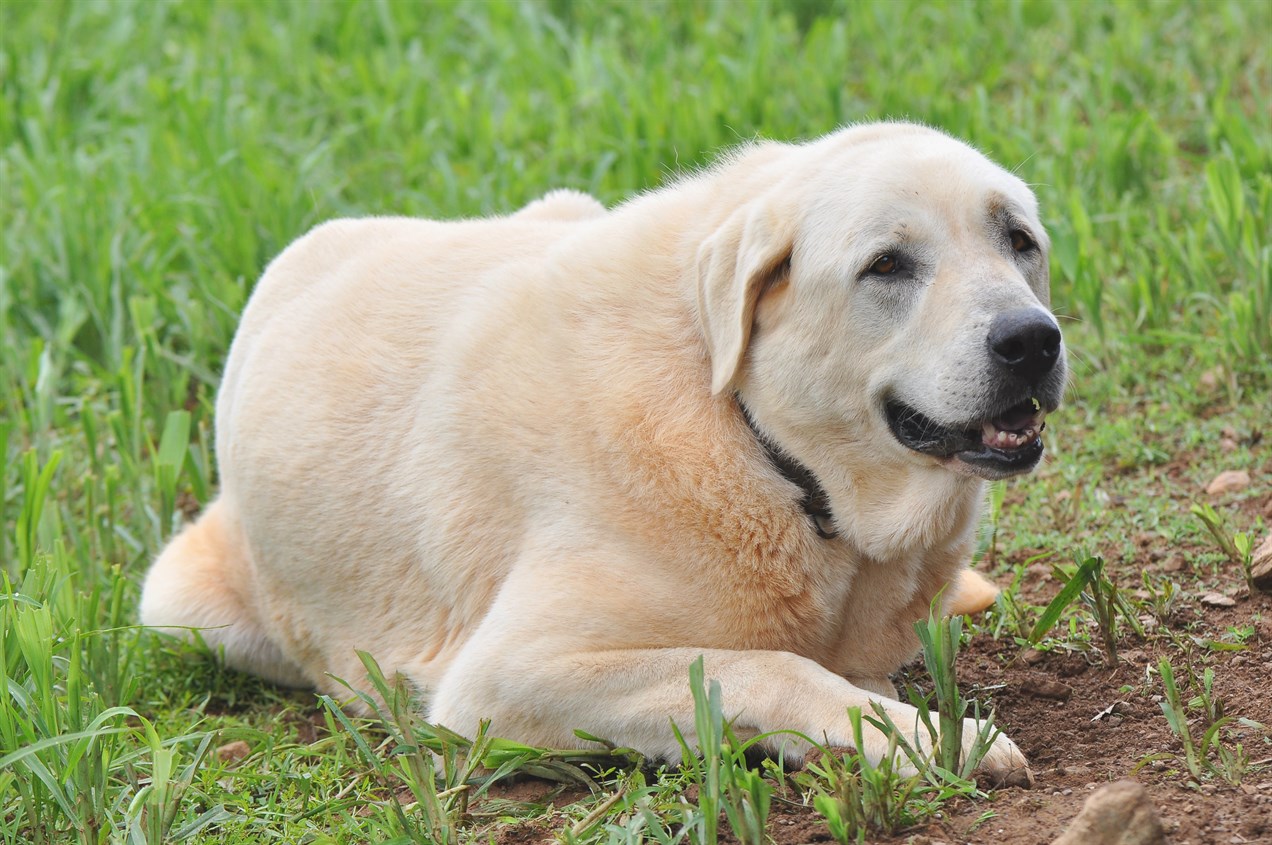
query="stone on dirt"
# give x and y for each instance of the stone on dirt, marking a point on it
(1046, 688)
(1262, 564)
(232, 752)
(1229, 481)
(1218, 600)
(1117, 814)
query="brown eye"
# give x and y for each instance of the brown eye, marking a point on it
(885, 265)
(1020, 241)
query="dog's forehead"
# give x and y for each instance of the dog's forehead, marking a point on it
(915, 171)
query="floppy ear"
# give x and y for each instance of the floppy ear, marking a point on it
(747, 254)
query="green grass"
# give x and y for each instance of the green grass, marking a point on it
(155, 155)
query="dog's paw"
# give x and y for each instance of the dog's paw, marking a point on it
(1004, 764)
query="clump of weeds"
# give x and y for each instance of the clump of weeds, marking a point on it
(1091, 583)
(1205, 754)
(1238, 547)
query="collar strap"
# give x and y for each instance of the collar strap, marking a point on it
(815, 502)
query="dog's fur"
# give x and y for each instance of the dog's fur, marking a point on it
(507, 456)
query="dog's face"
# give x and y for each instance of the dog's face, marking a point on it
(892, 295)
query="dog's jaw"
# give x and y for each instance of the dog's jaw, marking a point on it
(1001, 445)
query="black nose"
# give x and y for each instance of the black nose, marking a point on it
(1026, 342)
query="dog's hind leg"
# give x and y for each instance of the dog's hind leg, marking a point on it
(203, 580)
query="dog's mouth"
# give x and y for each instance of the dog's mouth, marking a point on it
(1008, 443)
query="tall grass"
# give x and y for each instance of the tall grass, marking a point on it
(155, 154)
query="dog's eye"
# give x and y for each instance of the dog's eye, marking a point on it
(885, 265)
(1020, 241)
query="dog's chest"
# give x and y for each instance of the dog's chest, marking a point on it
(852, 615)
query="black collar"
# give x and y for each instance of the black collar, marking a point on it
(815, 502)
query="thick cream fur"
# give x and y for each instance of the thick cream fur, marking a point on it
(506, 458)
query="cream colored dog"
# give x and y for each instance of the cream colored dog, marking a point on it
(538, 464)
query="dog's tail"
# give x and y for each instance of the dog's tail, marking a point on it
(202, 581)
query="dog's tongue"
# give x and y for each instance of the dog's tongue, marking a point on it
(1017, 427)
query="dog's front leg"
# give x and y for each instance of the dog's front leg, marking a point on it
(631, 697)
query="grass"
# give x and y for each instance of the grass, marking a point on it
(155, 155)
(939, 640)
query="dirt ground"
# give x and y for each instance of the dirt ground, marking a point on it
(1052, 704)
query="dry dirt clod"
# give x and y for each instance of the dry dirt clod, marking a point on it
(1046, 688)
(232, 752)
(1117, 814)
(1262, 570)
(1228, 481)
(1218, 600)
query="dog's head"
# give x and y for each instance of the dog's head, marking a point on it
(886, 286)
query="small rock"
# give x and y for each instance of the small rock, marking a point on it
(232, 752)
(1228, 481)
(1116, 814)
(1032, 656)
(1046, 688)
(1263, 565)
(1227, 444)
(1218, 600)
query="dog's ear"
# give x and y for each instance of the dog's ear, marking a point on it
(747, 254)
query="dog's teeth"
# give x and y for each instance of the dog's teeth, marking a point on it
(999, 438)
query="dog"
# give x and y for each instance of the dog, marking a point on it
(540, 463)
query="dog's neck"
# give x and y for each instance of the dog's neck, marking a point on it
(815, 501)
